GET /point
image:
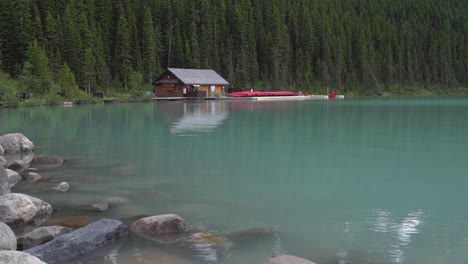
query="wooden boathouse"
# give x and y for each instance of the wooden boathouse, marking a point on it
(176, 82)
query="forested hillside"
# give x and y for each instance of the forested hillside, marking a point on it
(351, 45)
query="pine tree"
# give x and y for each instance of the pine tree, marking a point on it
(123, 62)
(67, 82)
(89, 71)
(37, 58)
(150, 62)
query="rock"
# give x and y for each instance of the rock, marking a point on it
(26, 157)
(16, 142)
(287, 259)
(47, 161)
(207, 239)
(163, 228)
(41, 235)
(13, 177)
(70, 221)
(18, 165)
(63, 187)
(43, 210)
(116, 200)
(4, 184)
(80, 242)
(207, 245)
(97, 207)
(16, 209)
(2, 151)
(33, 177)
(7, 238)
(8, 179)
(3, 161)
(18, 257)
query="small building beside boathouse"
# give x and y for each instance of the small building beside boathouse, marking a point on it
(176, 82)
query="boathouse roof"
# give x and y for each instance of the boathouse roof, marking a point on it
(200, 77)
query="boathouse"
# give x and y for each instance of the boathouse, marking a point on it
(190, 83)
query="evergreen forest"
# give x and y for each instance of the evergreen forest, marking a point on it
(353, 46)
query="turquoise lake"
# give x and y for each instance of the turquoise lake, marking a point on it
(374, 180)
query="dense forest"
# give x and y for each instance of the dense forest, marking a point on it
(354, 46)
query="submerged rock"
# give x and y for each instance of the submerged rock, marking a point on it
(163, 228)
(16, 209)
(41, 235)
(16, 142)
(18, 165)
(116, 200)
(47, 161)
(287, 259)
(18, 257)
(80, 242)
(207, 239)
(70, 221)
(63, 187)
(97, 207)
(33, 177)
(7, 238)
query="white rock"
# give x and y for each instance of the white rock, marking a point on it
(16, 208)
(63, 187)
(7, 238)
(18, 257)
(16, 142)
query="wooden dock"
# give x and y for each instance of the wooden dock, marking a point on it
(260, 98)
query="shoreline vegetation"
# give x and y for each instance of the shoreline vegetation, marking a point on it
(11, 94)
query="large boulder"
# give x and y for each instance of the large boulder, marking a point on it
(16, 209)
(7, 238)
(41, 235)
(80, 242)
(162, 228)
(18, 257)
(16, 142)
(43, 210)
(287, 259)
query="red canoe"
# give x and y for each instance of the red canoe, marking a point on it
(263, 94)
(332, 95)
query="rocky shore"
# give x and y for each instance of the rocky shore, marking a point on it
(28, 234)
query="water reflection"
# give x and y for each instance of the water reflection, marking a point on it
(186, 117)
(383, 221)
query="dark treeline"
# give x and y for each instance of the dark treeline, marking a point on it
(351, 45)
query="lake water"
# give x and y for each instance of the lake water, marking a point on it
(347, 181)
